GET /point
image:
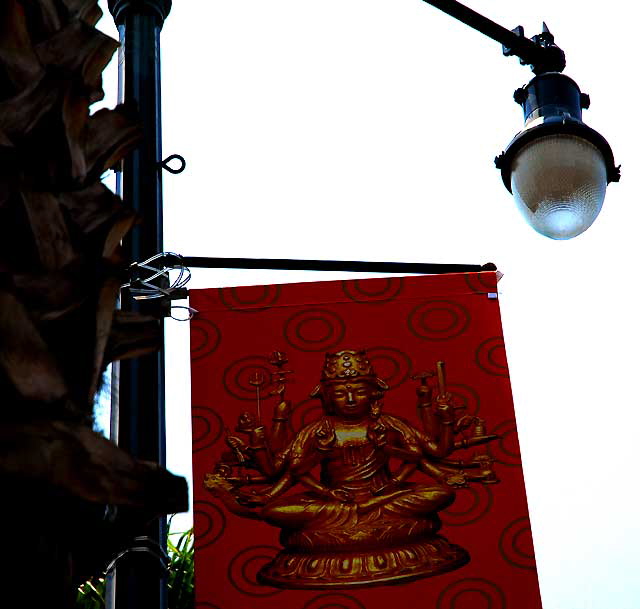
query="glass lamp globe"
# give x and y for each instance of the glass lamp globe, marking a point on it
(559, 183)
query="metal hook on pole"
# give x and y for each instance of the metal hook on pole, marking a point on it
(164, 164)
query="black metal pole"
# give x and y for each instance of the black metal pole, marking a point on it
(139, 580)
(484, 25)
(351, 266)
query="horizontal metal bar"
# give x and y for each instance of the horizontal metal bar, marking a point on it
(354, 266)
(520, 46)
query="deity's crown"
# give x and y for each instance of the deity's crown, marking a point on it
(347, 365)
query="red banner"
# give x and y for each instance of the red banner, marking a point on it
(355, 447)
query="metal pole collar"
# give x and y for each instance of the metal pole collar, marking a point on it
(121, 9)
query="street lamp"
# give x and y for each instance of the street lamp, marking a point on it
(557, 168)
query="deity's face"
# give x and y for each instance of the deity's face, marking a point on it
(351, 400)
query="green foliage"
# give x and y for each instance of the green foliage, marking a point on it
(91, 595)
(180, 584)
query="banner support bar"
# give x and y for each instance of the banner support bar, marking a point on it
(353, 266)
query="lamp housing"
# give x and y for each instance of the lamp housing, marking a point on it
(557, 168)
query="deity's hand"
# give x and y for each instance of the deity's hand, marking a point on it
(390, 486)
(443, 398)
(457, 480)
(238, 447)
(252, 499)
(235, 443)
(325, 436)
(257, 437)
(377, 434)
(282, 411)
(444, 408)
(217, 483)
(340, 494)
(424, 393)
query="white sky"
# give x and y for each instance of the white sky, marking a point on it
(353, 129)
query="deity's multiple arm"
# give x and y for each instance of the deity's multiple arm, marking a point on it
(261, 451)
(254, 499)
(257, 454)
(276, 461)
(280, 433)
(286, 468)
(264, 451)
(439, 440)
(425, 405)
(442, 436)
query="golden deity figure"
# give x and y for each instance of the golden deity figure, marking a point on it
(360, 519)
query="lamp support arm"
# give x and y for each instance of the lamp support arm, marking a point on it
(540, 52)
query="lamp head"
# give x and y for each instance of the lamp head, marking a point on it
(557, 168)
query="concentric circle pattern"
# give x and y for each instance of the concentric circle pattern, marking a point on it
(437, 320)
(249, 299)
(391, 365)
(491, 356)
(381, 289)
(466, 396)
(205, 338)
(472, 593)
(334, 601)
(471, 504)
(207, 427)
(314, 330)
(506, 450)
(482, 282)
(209, 523)
(243, 569)
(516, 544)
(239, 376)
